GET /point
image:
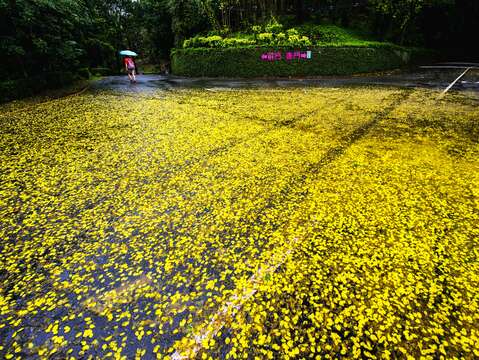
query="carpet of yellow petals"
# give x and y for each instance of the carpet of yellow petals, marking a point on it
(241, 224)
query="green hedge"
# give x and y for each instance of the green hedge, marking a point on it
(20, 88)
(246, 62)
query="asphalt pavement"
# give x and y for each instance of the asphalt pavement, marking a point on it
(418, 78)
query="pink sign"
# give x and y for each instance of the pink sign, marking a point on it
(272, 56)
(290, 55)
(300, 55)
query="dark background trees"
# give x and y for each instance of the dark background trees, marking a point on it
(44, 36)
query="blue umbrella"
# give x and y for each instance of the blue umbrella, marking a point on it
(128, 53)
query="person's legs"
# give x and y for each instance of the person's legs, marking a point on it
(133, 75)
(130, 75)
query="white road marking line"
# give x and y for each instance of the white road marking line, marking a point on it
(206, 332)
(455, 81)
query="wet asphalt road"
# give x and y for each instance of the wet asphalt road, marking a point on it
(423, 78)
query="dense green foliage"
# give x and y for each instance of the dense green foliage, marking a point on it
(274, 34)
(18, 88)
(246, 62)
(44, 37)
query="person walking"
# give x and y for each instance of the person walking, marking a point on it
(130, 68)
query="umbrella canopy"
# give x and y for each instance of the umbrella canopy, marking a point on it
(128, 53)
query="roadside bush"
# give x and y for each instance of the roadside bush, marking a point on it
(297, 40)
(235, 42)
(273, 27)
(281, 37)
(21, 88)
(262, 39)
(256, 29)
(265, 38)
(246, 62)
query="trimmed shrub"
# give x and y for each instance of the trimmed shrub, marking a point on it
(246, 62)
(265, 38)
(216, 41)
(273, 27)
(237, 42)
(293, 38)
